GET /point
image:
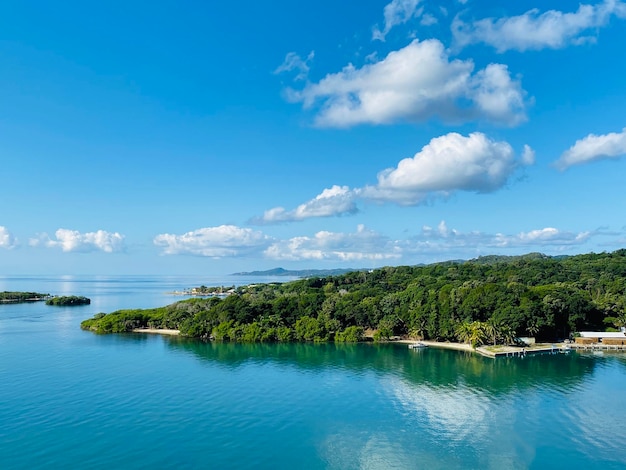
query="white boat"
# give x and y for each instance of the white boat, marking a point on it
(418, 345)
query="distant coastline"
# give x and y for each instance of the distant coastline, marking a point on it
(7, 297)
(299, 272)
(26, 297)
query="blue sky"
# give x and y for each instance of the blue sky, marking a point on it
(213, 137)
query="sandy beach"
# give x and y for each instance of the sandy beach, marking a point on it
(438, 344)
(157, 331)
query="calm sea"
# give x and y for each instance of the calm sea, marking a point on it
(72, 399)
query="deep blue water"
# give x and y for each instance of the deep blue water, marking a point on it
(72, 399)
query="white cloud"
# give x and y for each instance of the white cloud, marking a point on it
(428, 20)
(446, 164)
(7, 240)
(337, 200)
(294, 62)
(528, 155)
(534, 31)
(365, 244)
(415, 83)
(496, 95)
(592, 148)
(542, 237)
(214, 242)
(372, 57)
(361, 245)
(396, 13)
(442, 239)
(74, 241)
(430, 244)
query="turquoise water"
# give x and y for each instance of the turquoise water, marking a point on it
(72, 399)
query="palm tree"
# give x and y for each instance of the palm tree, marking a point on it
(415, 332)
(492, 329)
(478, 334)
(464, 332)
(507, 334)
(532, 328)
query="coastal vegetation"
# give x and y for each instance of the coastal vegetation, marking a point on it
(490, 300)
(68, 300)
(18, 297)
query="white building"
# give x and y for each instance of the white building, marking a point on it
(603, 334)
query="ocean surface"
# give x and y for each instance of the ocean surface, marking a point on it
(73, 399)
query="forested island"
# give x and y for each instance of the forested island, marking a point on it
(68, 300)
(19, 297)
(488, 300)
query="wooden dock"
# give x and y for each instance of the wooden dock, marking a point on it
(516, 351)
(598, 347)
(510, 351)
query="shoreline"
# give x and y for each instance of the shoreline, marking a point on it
(23, 301)
(485, 351)
(497, 351)
(157, 331)
(439, 344)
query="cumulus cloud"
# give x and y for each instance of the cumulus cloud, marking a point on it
(214, 242)
(436, 243)
(337, 200)
(442, 239)
(230, 241)
(542, 237)
(74, 241)
(7, 240)
(592, 148)
(396, 13)
(294, 62)
(534, 30)
(414, 84)
(446, 164)
(538, 237)
(496, 95)
(363, 244)
(369, 245)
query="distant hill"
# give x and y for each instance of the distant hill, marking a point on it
(492, 259)
(298, 272)
(486, 260)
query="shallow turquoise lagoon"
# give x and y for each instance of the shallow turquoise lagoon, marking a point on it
(72, 399)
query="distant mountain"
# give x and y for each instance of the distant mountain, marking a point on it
(298, 272)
